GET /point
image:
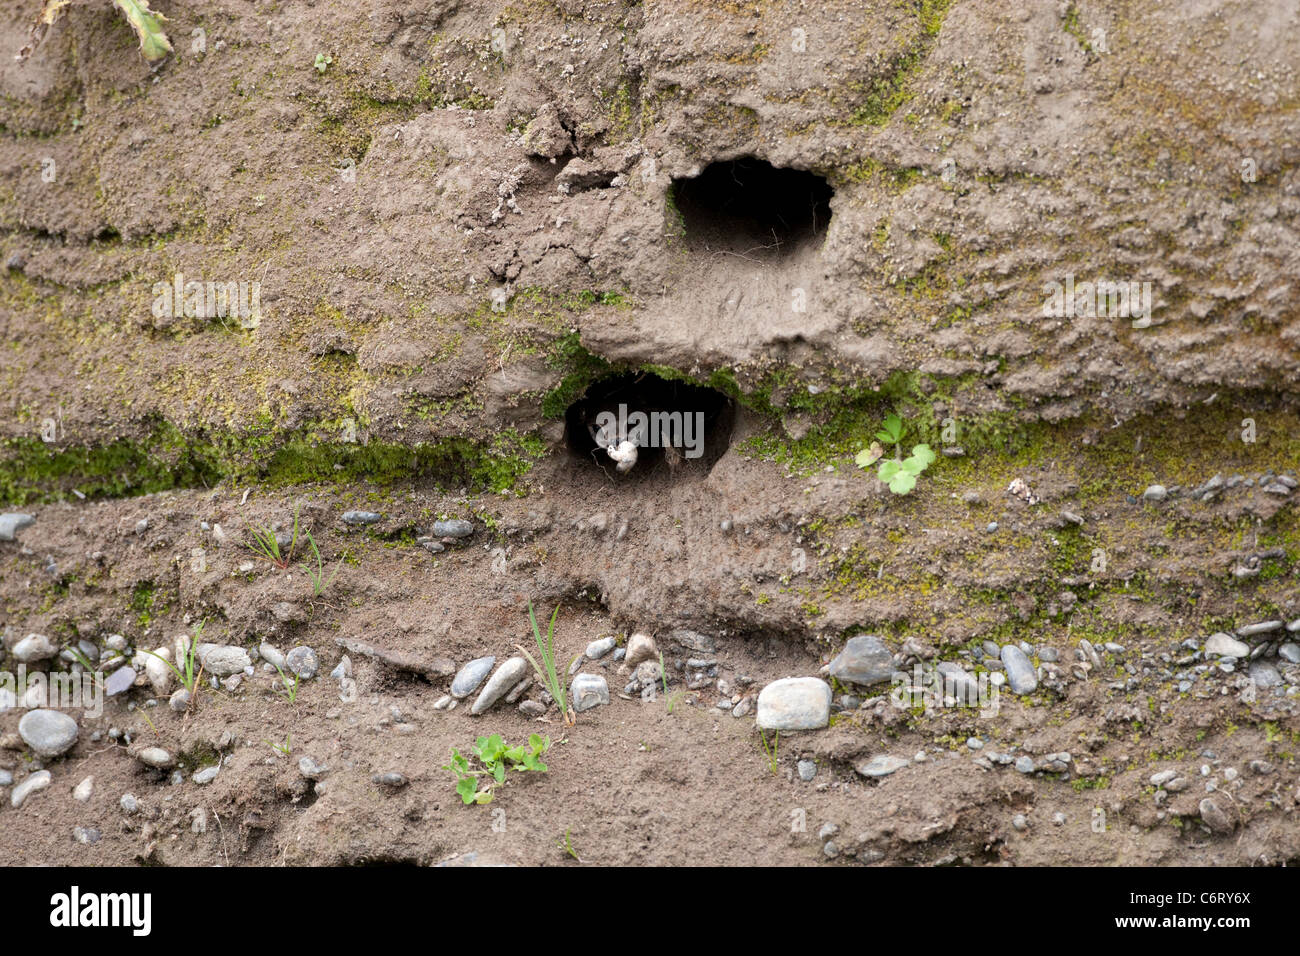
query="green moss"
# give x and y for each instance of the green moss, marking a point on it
(166, 459)
(894, 179)
(847, 415)
(1071, 25)
(581, 368)
(621, 113)
(495, 465)
(885, 93)
(675, 223)
(199, 755)
(32, 471)
(142, 602)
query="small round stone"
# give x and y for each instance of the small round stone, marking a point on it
(157, 758)
(302, 661)
(48, 732)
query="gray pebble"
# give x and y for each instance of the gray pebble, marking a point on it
(1224, 645)
(223, 660)
(455, 528)
(865, 660)
(11, 523)
(1265, 675)
(302, 661)
(48, 732)
(361, 517)
(271, 654)
(156, 757)
(588, 690)
(1020, 671)
(881, 766)
(120, 681)
(33, 648)
(1215, 818)
(794, 703)
(470, 676)
(31, 784)
(510, 673)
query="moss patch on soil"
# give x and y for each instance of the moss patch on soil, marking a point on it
(167, 458)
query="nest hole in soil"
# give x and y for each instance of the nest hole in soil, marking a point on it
(683, 428)
(750, 208)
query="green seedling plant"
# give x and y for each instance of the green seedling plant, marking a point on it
(901, 475)
(552, 680)
(323, 60)
(290, 687)
(566, 845)
(671, 699)
(283, 749)
(317, 574)
(85, 663)
(495, 759)
(190, 671)
(266, 546)
(898, 473)
(770, 751)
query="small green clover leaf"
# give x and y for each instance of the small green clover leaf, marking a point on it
(902, 483)
(466, 786)
(901, 476)
(530, 762)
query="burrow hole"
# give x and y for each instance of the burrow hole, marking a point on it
(748, 207)
(684, 430)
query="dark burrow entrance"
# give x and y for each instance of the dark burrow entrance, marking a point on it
(748, 207)
(678, 429)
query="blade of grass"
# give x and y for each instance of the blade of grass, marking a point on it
(555, 684)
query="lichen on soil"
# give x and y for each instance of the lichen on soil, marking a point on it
(473, 214)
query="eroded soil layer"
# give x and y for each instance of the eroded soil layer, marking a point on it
(418, 253)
